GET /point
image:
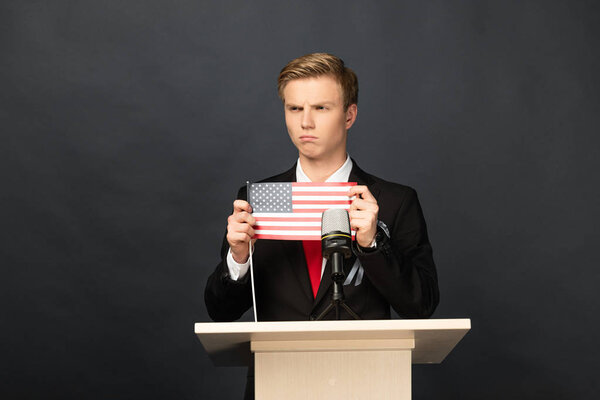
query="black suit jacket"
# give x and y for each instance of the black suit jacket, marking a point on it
(401, 274)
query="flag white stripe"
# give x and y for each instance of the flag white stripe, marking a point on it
(316, 224)
(291, 233)
(343, 189)
(322, 198)
(288, 233)
(287, 215)
(323, 206)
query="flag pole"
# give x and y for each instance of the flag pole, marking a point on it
(251, 263)
(252, 282)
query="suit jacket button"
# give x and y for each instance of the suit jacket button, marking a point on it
(313, 317)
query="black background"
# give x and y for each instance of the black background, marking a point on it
(127, 127)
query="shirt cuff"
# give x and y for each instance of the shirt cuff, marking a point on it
(236, 271)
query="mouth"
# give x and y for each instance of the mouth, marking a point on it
(308, 138)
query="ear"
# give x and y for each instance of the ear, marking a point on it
(351, 113)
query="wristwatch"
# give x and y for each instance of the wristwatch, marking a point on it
(380, 242)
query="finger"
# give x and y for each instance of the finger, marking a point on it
(363, 192)
(361, 204)
(241, 228)
(360, 225)
(241, 205)
(241, 218)
(244, 217)
(234, 237)
(360, 214)
(358, 222)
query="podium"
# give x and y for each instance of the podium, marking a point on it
(366, 359)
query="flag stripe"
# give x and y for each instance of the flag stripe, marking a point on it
(287, 227)
(312, 232)
(295, 217)
(288, 237)
(315, 210)
(297, 207)
(345, 201)
(288, 223)
(313, 184)
(318, 194)
(278, 230)
(291, 235)
(313, 190)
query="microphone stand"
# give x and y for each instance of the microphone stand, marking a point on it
(337, 297)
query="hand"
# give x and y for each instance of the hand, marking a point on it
(240, 230)
(363, 215)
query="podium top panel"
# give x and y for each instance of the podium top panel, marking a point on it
(228, 343)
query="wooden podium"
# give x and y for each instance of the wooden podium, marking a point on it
(368, 359)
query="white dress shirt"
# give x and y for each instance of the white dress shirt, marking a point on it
(236, 270)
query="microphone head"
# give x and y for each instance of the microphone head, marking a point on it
(335, 233)
(335, 220)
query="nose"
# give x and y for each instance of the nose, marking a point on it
(307, 119)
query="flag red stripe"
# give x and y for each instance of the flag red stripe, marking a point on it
(309, 210)
(323, 184)
(287, 228)
(288, 237)
(285, 217)
(298, 194)
(322, 202)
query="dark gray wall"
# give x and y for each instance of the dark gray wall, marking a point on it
(127, 127)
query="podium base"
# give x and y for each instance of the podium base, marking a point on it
(333, 369)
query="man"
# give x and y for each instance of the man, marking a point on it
(392, 263)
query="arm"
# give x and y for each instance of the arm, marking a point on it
(227, 299)
(402, 268)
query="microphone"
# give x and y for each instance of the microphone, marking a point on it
(336, 239)
(336, 242)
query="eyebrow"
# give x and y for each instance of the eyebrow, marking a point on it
(321, 103)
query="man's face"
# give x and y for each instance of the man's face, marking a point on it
(315, 117)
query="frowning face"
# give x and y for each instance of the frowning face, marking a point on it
(315, 117)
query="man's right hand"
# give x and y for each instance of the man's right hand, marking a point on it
(240, 231)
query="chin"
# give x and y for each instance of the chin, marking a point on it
(313, 156)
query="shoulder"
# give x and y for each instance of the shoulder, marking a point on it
(382, 187)
(399, 207)
(392, 188)
(393, 197)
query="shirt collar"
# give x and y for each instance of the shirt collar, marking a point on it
(341, 175)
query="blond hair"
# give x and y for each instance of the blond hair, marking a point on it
(319, 64)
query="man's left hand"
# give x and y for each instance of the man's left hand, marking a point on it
(363, 215)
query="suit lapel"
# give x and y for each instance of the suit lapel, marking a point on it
(324, 285)
(362, 178)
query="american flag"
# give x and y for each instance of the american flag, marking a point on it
(292, 210)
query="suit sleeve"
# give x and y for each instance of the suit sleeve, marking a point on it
(227, 300)
(402, 269)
